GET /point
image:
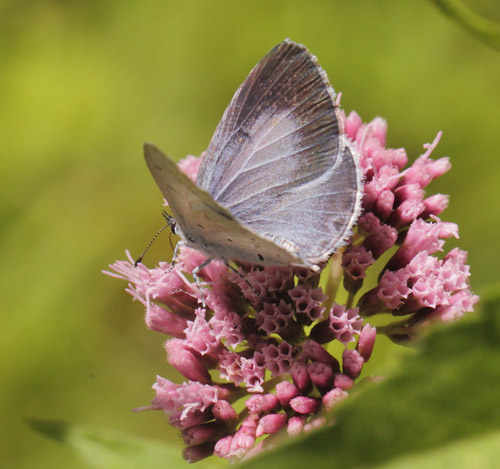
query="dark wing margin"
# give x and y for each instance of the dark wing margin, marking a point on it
(279, 161)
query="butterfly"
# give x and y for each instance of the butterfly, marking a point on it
(280, 182)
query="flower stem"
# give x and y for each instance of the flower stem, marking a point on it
(333, 279)
(485, 30)
(350, 300)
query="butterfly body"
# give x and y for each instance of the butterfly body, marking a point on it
(280, 182)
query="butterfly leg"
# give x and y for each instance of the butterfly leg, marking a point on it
(238, 273)
(176, 252)
(197, 279)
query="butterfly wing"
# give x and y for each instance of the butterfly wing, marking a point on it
(204, 224)
(279, 161)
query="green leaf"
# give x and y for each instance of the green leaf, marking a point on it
(445, 399)
(108, 449)
(482, 452)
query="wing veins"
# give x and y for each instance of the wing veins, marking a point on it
(228, 206)
(287, 155)
(264, 94)
(287, 134)
(251, 155)
(284, 116)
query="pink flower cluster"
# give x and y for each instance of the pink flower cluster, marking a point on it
(256, 358)
(397, 215)
(246, 342)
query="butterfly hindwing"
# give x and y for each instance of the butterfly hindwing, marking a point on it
(279, 161)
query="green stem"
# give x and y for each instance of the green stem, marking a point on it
(485, 30)
(350, 300)
(334, 277)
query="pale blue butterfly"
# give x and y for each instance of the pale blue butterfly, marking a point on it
(280, 182)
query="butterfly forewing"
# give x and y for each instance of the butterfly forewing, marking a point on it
(278, 160)
(204, 224)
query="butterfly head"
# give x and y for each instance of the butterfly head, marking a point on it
(170, 221)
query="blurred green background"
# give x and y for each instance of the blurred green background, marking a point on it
(84, 83)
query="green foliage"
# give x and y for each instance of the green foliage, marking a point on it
(107, 449)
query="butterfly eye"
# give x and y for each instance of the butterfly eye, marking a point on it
(170, 221)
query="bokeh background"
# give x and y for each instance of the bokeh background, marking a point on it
(84, 83)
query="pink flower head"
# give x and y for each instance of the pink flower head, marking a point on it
(305, 405)
(262, 403)
(186, 361)
(275, 318)
(322, 376)
(333, 397)
(200, 434)
(271, 423)
(190, 165)
(345, 323)
(352, 363)
(424, 170)
(380, 236)
(244, 438)
(264, 336)
(162, 320)
(237, 369)
(296, 425)
(278, 358)
(188, 397)
(366, 342)
(308, 301)
(393, 288)
(223, 411)
(200, 336)
(355, 261)
(285, 392)
(301, 378)
(423, 236)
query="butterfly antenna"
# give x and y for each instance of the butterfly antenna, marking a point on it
(170, 222)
